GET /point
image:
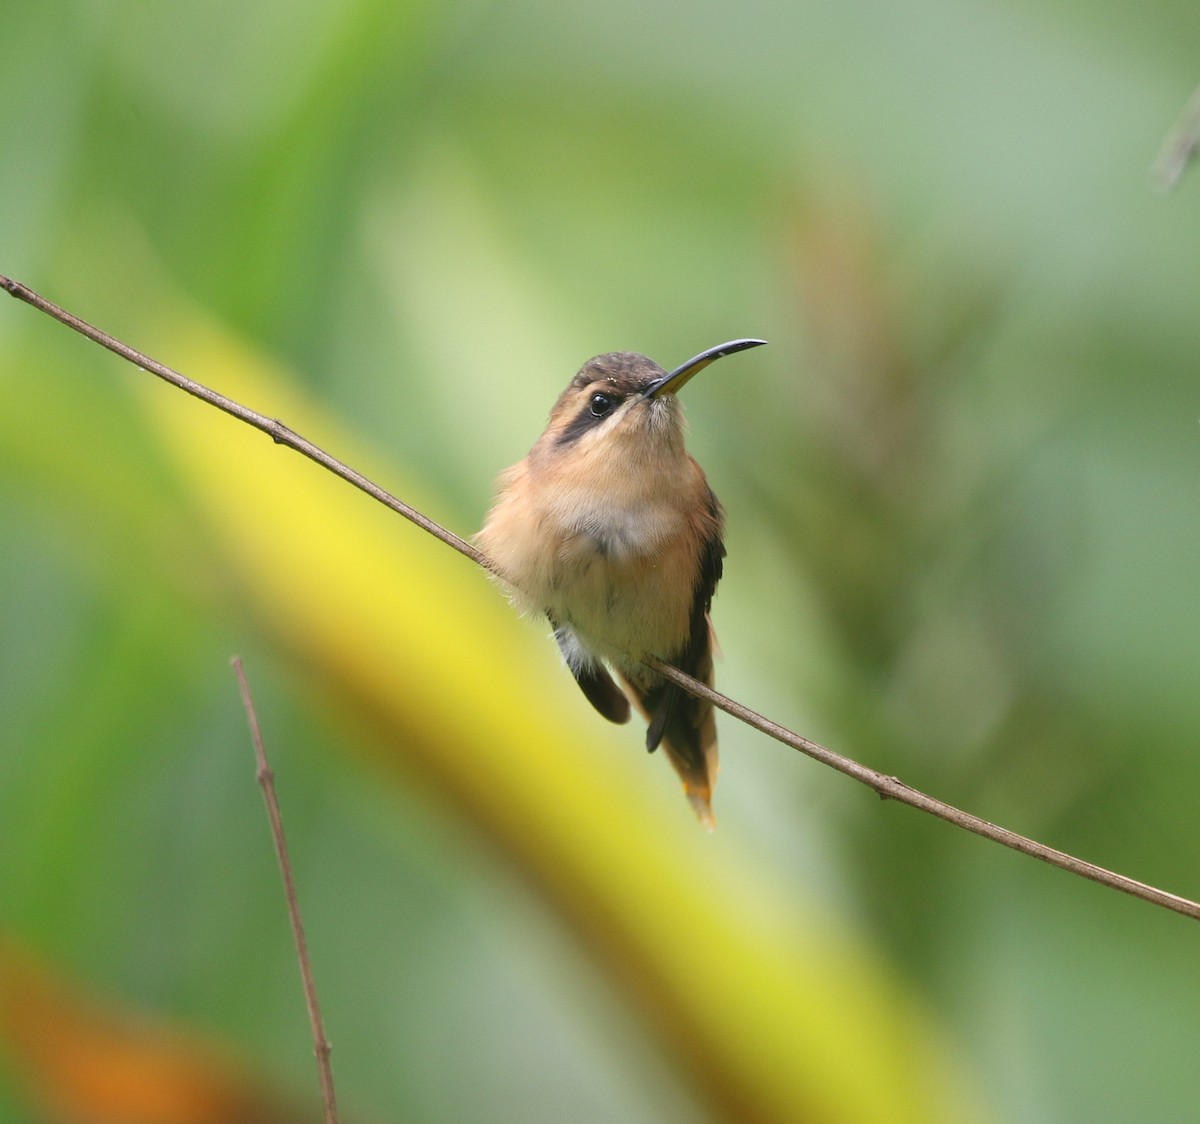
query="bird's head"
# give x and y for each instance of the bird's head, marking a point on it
(625, 404)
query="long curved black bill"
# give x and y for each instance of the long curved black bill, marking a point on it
(672, 382)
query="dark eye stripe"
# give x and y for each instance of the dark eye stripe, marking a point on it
(588, 418)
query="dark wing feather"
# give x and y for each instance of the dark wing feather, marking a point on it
(595, 682)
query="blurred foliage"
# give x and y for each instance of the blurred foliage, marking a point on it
(962, 548)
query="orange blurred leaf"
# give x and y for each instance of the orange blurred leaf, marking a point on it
(80, 1061)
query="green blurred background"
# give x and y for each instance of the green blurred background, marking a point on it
(961, 488)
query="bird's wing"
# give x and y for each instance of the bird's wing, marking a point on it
(593, 678)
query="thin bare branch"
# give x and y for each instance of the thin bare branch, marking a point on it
(886, 787)
(892, 788)
(272, 427)
(266, 781)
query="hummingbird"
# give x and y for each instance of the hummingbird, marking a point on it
(609, 528)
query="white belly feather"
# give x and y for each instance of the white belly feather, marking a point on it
(615, 579)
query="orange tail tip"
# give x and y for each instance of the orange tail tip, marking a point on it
(695, 760)
(701, 802)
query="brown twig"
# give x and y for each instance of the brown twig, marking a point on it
(887, 787)
(266, 781)
(272, 427)
(892, 788)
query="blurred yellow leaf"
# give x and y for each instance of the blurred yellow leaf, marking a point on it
(776, 1013)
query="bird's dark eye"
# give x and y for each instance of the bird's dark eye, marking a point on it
(601, 404)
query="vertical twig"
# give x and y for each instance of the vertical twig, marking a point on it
(266, 781)
(1180, 146)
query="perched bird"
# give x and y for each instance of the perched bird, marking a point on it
(610, 529)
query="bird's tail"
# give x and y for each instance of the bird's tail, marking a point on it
(685, 726)
(694, 755)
